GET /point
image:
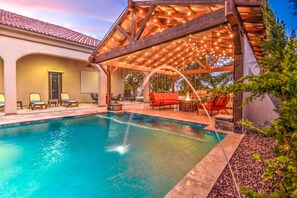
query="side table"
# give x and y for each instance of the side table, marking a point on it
(20, 103)
(53, 101)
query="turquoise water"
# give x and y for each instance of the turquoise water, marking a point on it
(76, 157)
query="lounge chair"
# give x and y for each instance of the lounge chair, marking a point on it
(2, 101)
(117, 98)
(217, 103)
(94, 97)
(35, 101)
(65, 100)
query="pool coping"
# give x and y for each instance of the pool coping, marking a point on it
(199, 181)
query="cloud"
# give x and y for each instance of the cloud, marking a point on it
(92, 17)
(107, 10)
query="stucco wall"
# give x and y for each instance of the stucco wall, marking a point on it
(1, 76)
(117, 82)
(259, 111)
(32, 76)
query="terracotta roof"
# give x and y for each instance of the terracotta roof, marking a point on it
(33, 25)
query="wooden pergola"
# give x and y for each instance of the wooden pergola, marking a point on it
(151, 33)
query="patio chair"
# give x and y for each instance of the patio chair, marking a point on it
(94, 97)
(217, 103)
(65, 100)
(117, 98)
(2, 101)
(35, 101)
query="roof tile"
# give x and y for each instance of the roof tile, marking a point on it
(33, 25)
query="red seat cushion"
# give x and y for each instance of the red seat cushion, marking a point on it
(159, 96)
(174, 96)
(153, 96)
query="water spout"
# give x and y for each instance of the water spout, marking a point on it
(122, 149)
(146, 80)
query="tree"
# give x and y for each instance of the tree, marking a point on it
(160, 83)
(133, 82)
(207, 80)
(294, 6)
(279, 78)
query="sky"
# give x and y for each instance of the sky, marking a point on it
(95, 17)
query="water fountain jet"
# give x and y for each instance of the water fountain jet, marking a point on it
(122, 149)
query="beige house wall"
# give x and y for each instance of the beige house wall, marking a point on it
(32, 76)
(1, 76)
(261, 110)
(117, 82)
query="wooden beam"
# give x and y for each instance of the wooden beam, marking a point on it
(237, 74)
(133, 23)
(176, 2)
(195, 2)
(156, 21)
(111, 31)
(143, 24)
(201, 64)
(173, 79)
(137, 67)
(124, 33)
(103, 68)
(199, 24)
(233, 15)
(203, 71)
(114, 70)
(214, 61)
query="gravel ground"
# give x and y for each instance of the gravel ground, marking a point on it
(248, 171)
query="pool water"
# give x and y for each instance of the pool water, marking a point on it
(76, 157)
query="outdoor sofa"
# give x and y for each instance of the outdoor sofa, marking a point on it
(163, 99)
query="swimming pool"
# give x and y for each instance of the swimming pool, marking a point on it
(80, 157)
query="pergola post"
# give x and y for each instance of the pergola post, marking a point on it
(108, 87)
(146, 90)
(237, 74)
(173, 79)
(236, 23)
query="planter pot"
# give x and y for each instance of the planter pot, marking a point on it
(115, 107)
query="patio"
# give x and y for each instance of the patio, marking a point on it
(27, 115)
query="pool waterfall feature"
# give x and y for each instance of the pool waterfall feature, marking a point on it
(146, 80)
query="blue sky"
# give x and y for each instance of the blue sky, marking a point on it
(95, 17)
